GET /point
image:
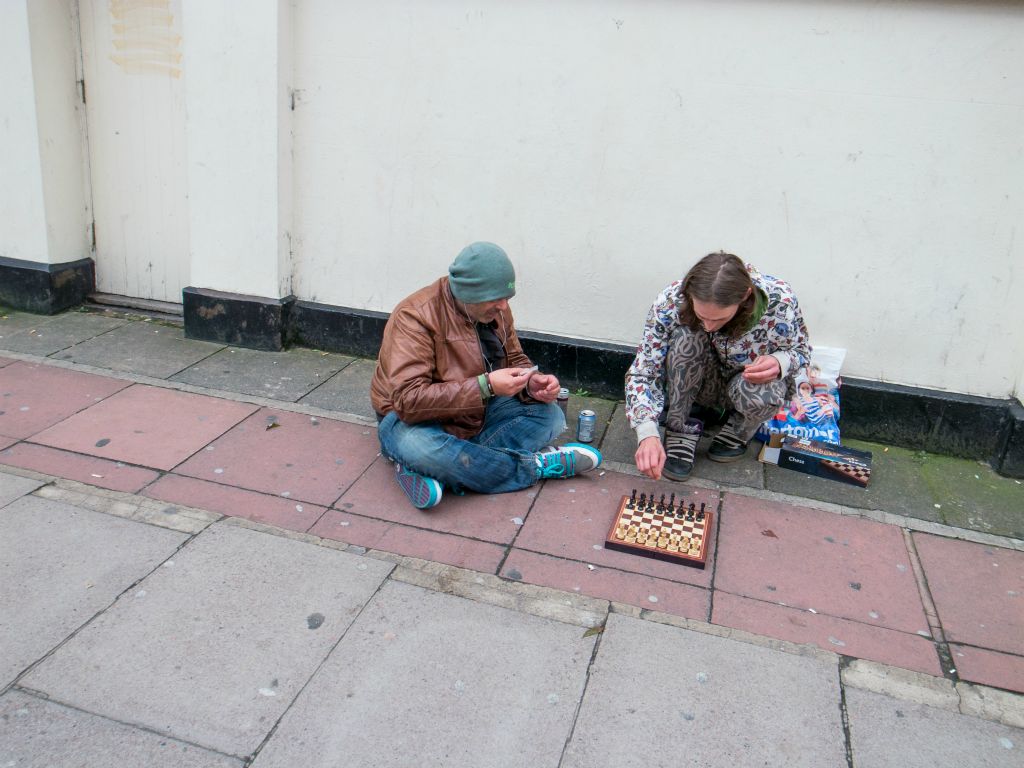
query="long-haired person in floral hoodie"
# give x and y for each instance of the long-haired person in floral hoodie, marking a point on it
(725, 337)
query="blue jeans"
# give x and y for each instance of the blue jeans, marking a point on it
(497, 460)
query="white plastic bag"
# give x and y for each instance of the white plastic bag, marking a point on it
(814, 410)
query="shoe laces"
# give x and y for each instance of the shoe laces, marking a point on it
(728, 438)
(681, 445)
(556, 464)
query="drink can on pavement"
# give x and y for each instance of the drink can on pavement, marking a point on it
(585, 426)
(563, 400)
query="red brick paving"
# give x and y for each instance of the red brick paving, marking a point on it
(409, 541)
(838, 565)
(492, 518)
(978, 665)
(571, 518)
(850, 638)
(104, 473)
(273, 510)
(608, 584)
(302, 457)
(978, 591)
(148, 426)
(34, 396)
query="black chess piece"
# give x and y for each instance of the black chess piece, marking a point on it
(643, 500)
(661, 503)
(632, 500)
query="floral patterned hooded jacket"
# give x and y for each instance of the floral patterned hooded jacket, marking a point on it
(780, 332)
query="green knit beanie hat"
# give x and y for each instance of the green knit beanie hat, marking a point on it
(482, 272)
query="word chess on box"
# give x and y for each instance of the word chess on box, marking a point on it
(660, 529)
(816, 457)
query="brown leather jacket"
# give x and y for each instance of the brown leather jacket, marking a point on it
(430, 359)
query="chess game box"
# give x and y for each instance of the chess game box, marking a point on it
(816, 457)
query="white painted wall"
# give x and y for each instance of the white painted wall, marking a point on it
(238, 129)
(870, 153)
(60, 122)
(134, 73)
(44, 214)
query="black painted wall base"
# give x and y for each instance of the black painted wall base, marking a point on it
(910, 417)
(45, 289)
(232, 318)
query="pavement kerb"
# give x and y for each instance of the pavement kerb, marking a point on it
(566, 607)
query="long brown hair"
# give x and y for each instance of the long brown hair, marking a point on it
(722, 279)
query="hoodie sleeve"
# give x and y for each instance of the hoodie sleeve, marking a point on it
(645, 379)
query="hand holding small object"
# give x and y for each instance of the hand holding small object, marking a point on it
(764, 369)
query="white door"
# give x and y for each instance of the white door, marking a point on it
(135, 109)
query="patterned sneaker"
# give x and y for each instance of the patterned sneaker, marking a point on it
(726, 445)
(571, 459)
(424, 492)
(680, 448)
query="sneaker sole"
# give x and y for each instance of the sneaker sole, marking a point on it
(422, 492)
(676, 477)
(727, 459)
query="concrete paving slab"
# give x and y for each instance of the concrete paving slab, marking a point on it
(62, 331)
(970, 494)
(486, 517)
(619, 441)
(1000, 670)
(409, 541)
(288, 454)
(133, 426)
(434, 679)
(35, 733)
(60, 569)
(34, 396)
(838, 565)
(13, 487)
(665, 696)
(115, 475)
(886, 732)
(746, 471)
(145, 348)
(348, 391)
(608, 584)
(923, 486)
(13, 321)
(284, 513)
(284, 375)
(978, 591)
(603, 410)
(848, 638)
(571, 520)
(214, 648)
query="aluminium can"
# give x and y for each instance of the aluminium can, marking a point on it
(585, 426)
(563, 400)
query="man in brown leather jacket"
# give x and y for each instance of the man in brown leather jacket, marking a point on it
(459, 403)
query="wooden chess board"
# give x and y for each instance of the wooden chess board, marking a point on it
(856, 474)
(662, 530)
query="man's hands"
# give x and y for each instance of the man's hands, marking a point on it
(507, 382)
(650, 457)
(764, 369)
